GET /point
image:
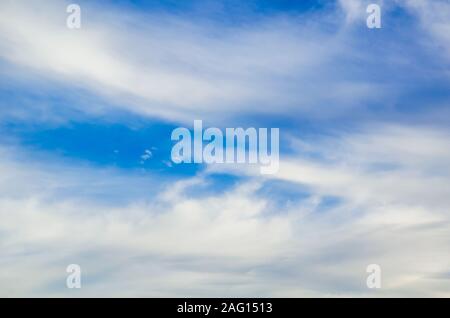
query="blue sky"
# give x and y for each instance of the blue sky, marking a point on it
(86, 118)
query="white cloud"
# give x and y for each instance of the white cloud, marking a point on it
(391, 209)
(169, 67)
(146, 156)
(390, 182)
(353, 9)
(435, 19)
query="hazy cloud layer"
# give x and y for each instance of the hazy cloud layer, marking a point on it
(369, 186)
(241, 243)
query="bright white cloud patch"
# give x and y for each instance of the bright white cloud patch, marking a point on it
(171, 67)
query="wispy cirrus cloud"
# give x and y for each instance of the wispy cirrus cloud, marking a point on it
(167, 66)
(243, 241)
(434, 20)
(368, 186)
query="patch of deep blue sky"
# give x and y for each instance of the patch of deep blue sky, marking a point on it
(232, 10)
(120, 139)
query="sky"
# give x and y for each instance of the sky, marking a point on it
(86, 117)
